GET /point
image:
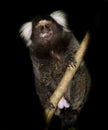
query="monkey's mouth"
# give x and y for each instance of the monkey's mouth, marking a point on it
(47, 35)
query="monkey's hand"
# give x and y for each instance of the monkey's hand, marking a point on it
(72, 62)
(49, 105)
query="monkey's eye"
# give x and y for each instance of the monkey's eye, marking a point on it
(48, 25)
(39, 28)
(43, 27)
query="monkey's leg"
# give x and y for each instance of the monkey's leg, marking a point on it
(68, 118)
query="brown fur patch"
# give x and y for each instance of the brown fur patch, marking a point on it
(56, 56)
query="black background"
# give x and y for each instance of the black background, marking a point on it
(19, 107)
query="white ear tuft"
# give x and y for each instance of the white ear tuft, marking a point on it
(60, 17)
(26, 31)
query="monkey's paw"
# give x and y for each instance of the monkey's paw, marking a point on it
(49, 105)
(72, 63)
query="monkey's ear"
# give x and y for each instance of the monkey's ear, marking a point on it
(60, 17)
(26, 31)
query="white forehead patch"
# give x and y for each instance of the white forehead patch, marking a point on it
(42, 21)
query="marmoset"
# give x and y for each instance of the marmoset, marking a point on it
(52, 46)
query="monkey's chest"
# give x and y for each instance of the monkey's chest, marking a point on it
(48, 74)
(51, 72)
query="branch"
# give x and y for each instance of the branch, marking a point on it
(63, 85)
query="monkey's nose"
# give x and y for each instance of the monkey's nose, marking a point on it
(47, 35)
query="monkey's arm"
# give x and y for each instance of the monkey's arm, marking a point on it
(71, 50)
